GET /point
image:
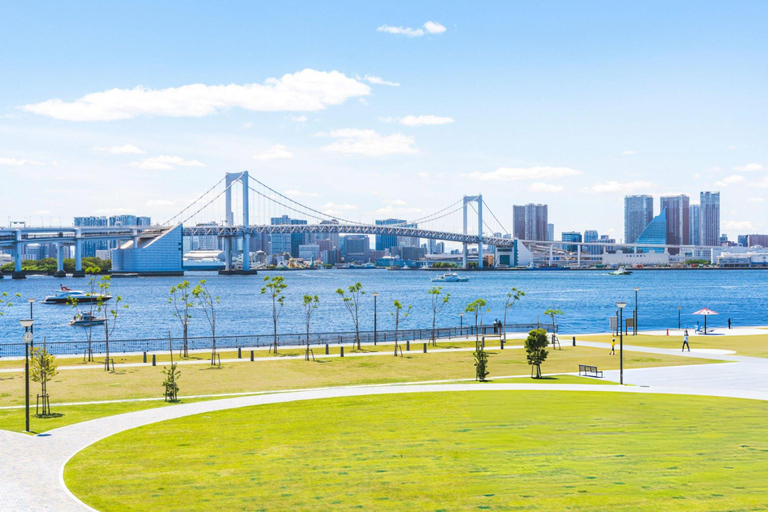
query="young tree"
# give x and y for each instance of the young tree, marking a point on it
(535, 349)
(396, 313)
(207, 303)
(310, 303)
(172, 376)
(274, 289)
(512, 296)
(481, 364)
(183, 302)
(552, 313)
(113, 312)
(351, 300)
(438, 302)
(477, 308)
(5, 301)
(42, 369)
(92, 285)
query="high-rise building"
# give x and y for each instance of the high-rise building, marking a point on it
(591, 235)
(530, 222)
(694, 216)
(678, 220)
(550, 232)
(129, 221)
(384, 242)
(333, 237)
(609, 244)
(638, 213)
(655, 233)
(710, 218)
(571, 236)
(90, 247)
(518, 222)
(753, 240)
(282, 243)
(357, 248)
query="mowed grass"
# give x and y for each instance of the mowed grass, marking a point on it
(483, 450)
(94, 384)
(753, 345)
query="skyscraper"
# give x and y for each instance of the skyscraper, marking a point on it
(678, 220)
(90, 247)
(710, 218)
(638, 212)
(694, 237)
(571, 236)
(530, 222)
(550, 232)
(591, 235)
(518, 222)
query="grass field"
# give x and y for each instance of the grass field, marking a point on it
(755, 345)
(485, 450)
(94, 384)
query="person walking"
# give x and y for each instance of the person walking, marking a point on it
(613, 346)
(685, 341)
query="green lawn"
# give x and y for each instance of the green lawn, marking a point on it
(484, 450)
(753, 345)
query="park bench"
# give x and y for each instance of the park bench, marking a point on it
(590, 371)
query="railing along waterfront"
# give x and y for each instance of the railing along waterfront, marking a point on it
(257, 341)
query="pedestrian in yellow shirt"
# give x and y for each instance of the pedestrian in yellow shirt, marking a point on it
(613, 346)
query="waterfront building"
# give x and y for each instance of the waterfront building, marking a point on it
(571, 236)
(591, 235)
(742, 240)
(286, 243)
(710, 218)
(384, 242)
(309, 252)
(753, 240)
(655, 233)
(356, 248)
(678, 220)
(694, 216)
(610, 244)
(550, 232)
(530, 221)
(89, 248)
(153, 255)
(317, 237)
(638, 213)
(129, 221)
(518, 222)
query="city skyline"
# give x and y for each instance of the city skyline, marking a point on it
(448, 110)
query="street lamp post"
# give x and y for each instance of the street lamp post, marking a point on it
(375, 319)
(27, 338)
(636, 289)
(621, 306)
(461, 324)
(31, 316)
(678, 317)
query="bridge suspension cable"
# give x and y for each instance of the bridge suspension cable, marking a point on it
(168, 222)
(494, 216)
(209, 202)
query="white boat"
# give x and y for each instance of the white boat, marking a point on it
(67, 296)
(86, 320)
(621, 271)
(450, 277)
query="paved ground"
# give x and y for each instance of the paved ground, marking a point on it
(31, 467)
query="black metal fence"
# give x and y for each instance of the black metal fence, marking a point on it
(261, 340)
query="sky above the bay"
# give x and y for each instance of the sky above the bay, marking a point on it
(389, 109)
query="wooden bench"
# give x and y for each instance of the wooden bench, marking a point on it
(590, 371)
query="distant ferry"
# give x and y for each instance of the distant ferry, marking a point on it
(621, 271)
(451, 277)
(86, 320)
(66, 295)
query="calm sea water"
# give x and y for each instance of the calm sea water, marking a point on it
(587, 298)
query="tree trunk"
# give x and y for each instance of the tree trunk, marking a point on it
(106, 345)
(186, 342)
(434, 319)
(274, 323)
(306, 356)
(504, 326)
(213, 338)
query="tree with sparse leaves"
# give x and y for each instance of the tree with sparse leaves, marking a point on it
(310, 303)
(182, 300)
(109, 312)
(512, 296)
(72, 301)
(274, 290)
(438, 301)
(351, 298)
(5, 301)
(477, 308)
(396, 313)
(536, 350)
(552, 313)
(207, 303)
(42, 368)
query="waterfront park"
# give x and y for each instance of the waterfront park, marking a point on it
(497, 413)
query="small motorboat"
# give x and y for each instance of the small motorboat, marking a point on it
(621, 271)
(450, 277)
(86, 320)
(67, 296)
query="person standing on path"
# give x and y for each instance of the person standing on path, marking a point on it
(613, 346)
(685, 341)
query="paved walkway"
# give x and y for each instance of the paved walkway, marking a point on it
(31, 468)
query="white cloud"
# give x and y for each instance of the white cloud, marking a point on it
(17, 162)
(523, 173)
(165, 163)
(730, 180)
(248, 125)
(396, 202)
(430, 27)
(423, 175)
(128, 149)
(731, 147)
(750, 168)
(369, 143)
(738, 225)
(375, 80)
(425, 120)
(299, 193)
(338, 207)
(544, 187)
(298, 119)
(615, 187)
(697, 175)
(307, 90)
(276, 152)
(628, 152)
(159, 202)
(756, 199)
(393, 210)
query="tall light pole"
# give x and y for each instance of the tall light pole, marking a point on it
(461, 324)
(678, 317)
(636, 289)
(621, 306)
(27, 338)
(375, 319)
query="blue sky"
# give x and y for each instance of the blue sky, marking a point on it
(572, 104)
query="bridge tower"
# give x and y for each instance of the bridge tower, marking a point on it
(229, 246)
(479, 200)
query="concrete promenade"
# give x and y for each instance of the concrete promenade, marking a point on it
(31, 468)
